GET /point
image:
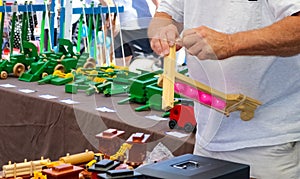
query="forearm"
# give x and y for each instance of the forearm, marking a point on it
(161, 20)
(163, 32)
(279, 39)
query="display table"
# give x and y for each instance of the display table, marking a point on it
(31, 126)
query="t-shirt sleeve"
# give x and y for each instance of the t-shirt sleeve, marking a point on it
(281, 8)
(172, 7)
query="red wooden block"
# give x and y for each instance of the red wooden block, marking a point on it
(64, 171)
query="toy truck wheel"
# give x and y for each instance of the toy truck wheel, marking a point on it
(188, 127)
(59, 67)
(107, 92)
(3, 75)
(92, 60)
(44, 74)
(18, 69)
(89, 65)
(247, 115)
(172, 124)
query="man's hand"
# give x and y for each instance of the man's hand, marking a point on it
(163, 39)
(206, 43)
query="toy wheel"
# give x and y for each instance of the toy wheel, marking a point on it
(60, 67)
(3, 75)
(188, 127)
(247, 115)
(89, 65)
(18, 69)
(44, 74)
(92, 60)
(107, 93)
(172, 124)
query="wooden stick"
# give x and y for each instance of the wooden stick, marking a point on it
(169, 79)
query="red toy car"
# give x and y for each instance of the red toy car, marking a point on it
(182, 116)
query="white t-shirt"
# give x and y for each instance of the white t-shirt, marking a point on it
(137, 13)
(275, 81)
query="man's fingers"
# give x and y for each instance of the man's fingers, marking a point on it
(188, 32)
(171, 36)
(190, 40)
(161, 47)
(179, 42)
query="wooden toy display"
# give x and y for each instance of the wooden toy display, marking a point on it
(79, 72)
(35, 64)
(132, 153)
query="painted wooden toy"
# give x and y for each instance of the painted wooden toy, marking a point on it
(171, 81)
(64, 171)
(109, 141)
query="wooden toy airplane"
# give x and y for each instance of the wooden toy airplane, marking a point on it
(171, 81)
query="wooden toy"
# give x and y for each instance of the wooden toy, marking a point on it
(65, 60)
(172, 81)
(137, 88)
(154, 98)
(182, 116)
(81, 83)
(102, 166)
(109, 141)
(109, 80)
(143, 89)
(24, 168)
(83, 60)
(54, 164)
(39, 175)
(137, 152)
(64, 171)
(18, 63)
(57, 78)
(124, 166)
(121, 153)
(116, 82)
(79, 158)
